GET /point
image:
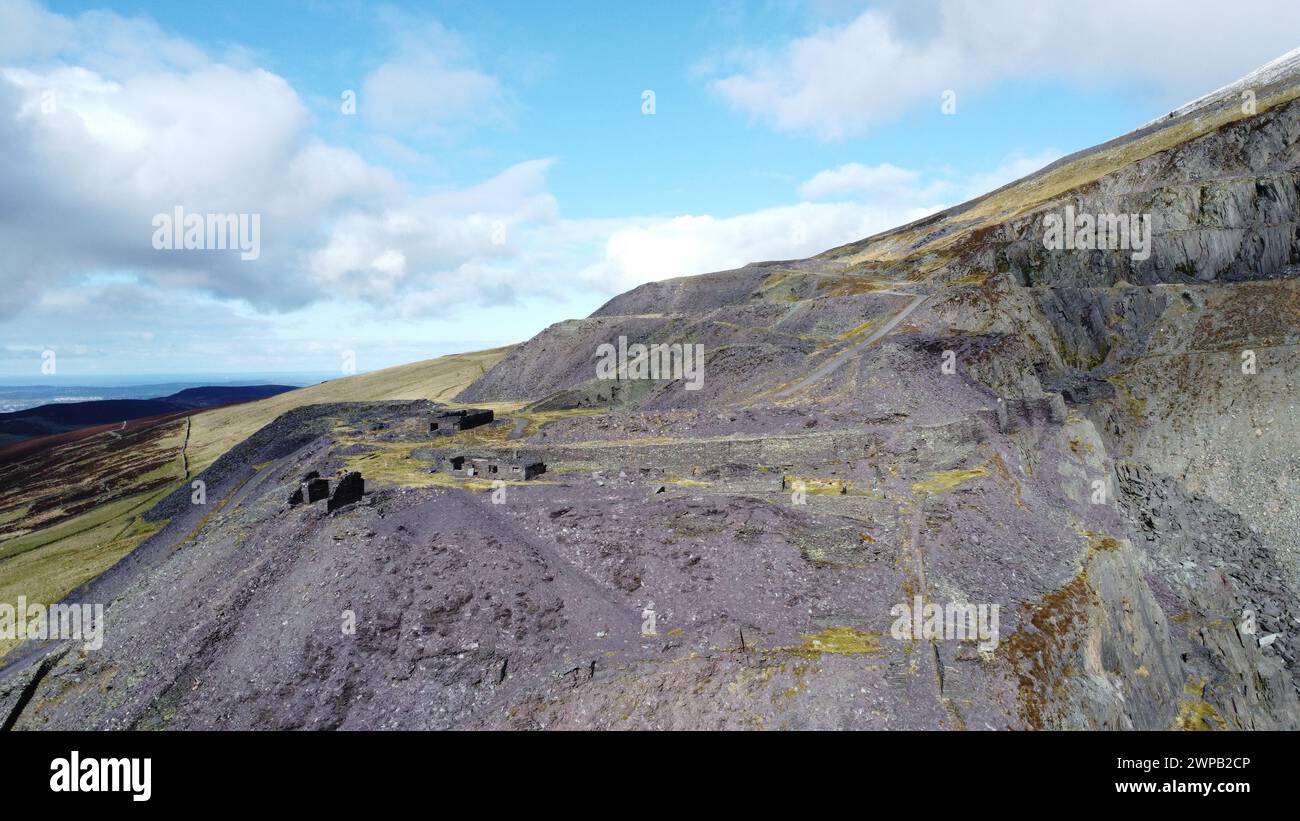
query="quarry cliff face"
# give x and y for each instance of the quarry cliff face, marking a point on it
(953, 476)
(1173, 346)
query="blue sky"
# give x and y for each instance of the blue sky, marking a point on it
(499, 173)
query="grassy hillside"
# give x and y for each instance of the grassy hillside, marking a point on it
(215, 432)
(70, 512)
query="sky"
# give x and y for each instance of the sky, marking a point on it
(436, 177)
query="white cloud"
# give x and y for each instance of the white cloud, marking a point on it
(889, 186)
(115, 151)
(884, 184)
(842, 81)
(693, 244)
(27, 30)
(867, 200)
(92, 156)
(424, 96)
(98, 142)
(443, 240)
(430, 85)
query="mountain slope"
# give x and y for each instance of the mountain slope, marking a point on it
(70, 510)
(946, 414)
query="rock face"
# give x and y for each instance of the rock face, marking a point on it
(349, 489)
(1096, 453)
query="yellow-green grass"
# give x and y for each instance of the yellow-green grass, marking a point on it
(817, 486)
(392, 464)
(683, 482)
(855, 284)
(973, 278)
(1194, 713)
(13, 514)
(839, 641)
(781, 286)
(946, 480)
(861, 329)
(64, 528)
(497, 436)
(47, 563)
(217, 431)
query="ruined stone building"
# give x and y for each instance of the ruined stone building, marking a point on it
(349, 489)
(495, 466)
(445, 423)
(313, 487)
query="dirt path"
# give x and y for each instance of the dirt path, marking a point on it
(840, 358)
(518, 430)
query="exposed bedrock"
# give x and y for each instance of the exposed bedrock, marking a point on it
(1223, 207)
(1101, 445)
(1111, 365)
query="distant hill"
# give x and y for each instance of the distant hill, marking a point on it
(208, 396)
(63, 417)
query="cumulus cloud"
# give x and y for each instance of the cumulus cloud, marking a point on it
(692, 244)
(370, 253)
(863, 200)
(842, 81)
(92, 159)
(107, 121)
(93, 154)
